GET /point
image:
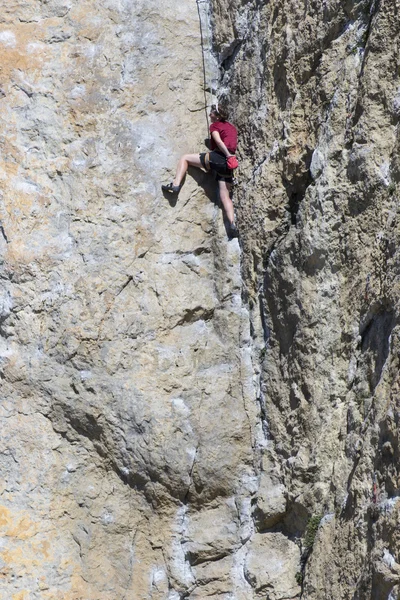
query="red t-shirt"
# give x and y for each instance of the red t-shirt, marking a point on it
(228, 134)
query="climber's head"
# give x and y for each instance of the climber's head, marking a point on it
(218, 114)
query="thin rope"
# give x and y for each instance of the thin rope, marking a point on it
(209, 40)
(206, 84)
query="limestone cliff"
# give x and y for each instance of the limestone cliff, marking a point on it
(315, 86)
(183, 416)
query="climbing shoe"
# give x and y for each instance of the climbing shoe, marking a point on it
(233, 231)
(170, 188)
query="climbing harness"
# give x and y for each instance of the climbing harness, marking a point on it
(216, 162)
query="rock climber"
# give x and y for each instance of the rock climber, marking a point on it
(223, 137)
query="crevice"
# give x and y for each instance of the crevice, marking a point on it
(186, 498)
(195, 561)
(375, 343)
(259, 164)
(3, 233)
(263, 317)
(358, 110)
(29, 93)
(296, 179)
(196, 252)
(195, 314)
(125, 285)
(263, 411)
(234, 50)
(195, 110)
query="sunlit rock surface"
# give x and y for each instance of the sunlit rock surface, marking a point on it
(315, 91)
(183, 416)
(127, 408)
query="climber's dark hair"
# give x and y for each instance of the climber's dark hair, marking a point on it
(220, 112)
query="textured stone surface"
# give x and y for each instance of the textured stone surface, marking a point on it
(315, 89)
(126, 444)
(271, 566)
(179, 412)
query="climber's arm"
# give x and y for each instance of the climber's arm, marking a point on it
(220, 144)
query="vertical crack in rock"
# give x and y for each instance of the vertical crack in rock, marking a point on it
(3, 233)
(230, 54)
(375, 340)
(363, 47)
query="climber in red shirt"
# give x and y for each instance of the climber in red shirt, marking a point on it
(223, 145)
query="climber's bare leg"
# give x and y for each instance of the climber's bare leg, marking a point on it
(187, 159)
(225, 195)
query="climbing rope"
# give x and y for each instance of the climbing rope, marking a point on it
(206, 54)
(207, 80)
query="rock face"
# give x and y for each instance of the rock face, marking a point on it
(183, 417)
(315, 91)
(127, 400)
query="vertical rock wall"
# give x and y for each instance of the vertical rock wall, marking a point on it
(315, 91)
(127, 403)
(179, 418)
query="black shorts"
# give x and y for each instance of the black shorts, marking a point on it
(218, 165)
